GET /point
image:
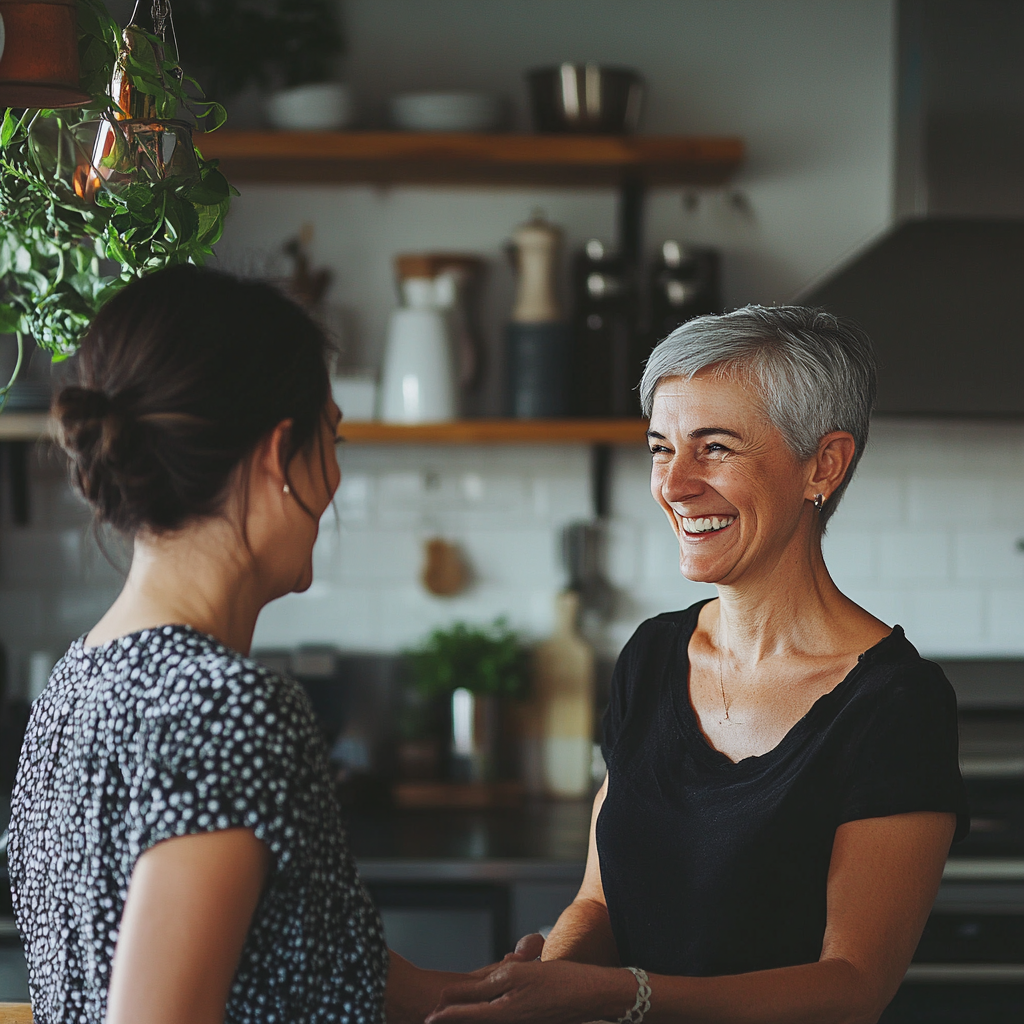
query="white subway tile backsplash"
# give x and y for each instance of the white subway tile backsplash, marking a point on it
(622, 540)
(323, 615)
(945, 620)
(527, 558)
(914, 556)
(1006, 620)
(870, 501)
(952, 501)
(1008, 499)
(659, 555)
(851, 555)
(886, 604)
(981, 555)
(926, 537)
(369, 557)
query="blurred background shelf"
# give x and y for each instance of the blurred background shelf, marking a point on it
(498, 431)
(24, 426)
(450, 158)
(34, 426)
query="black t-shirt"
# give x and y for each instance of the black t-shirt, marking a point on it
(713, 867)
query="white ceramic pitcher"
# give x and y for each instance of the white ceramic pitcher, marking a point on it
(419, 370)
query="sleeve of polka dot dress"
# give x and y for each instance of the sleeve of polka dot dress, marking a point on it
(237, 748)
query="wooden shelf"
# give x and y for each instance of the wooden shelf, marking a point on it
(497, 431)
(24, 426)
(449, 158)
(35, 426)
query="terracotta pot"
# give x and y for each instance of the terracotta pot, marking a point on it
(39, 64)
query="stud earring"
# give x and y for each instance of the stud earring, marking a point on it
(287, 490)
(818, 502)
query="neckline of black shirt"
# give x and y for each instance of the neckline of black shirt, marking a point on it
(889, 648)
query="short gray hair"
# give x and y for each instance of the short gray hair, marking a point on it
(815, 371)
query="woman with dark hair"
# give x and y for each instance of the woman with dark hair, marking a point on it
(176, 853)
(782, 784)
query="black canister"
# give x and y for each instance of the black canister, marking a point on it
(538, 364)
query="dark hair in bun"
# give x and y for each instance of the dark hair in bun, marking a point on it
(180, 376)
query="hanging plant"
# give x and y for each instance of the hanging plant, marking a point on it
(93, 197)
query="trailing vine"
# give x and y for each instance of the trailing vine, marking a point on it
(62, 253)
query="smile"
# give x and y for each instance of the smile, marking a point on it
(707, 524)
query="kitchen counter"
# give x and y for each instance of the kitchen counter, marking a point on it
(552, 832)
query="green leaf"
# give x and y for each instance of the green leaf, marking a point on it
(10, 318)
(212, 190)
(9, 127)
(137, 197)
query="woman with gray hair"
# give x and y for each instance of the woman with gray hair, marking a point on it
(783, 784)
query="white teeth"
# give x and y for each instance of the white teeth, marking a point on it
(707, 524)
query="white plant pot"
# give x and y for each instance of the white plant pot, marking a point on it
(324, 106)
(419, 372)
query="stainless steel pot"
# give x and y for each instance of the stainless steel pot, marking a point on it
(585, 98)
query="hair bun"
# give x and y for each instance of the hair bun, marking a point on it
(91, 425)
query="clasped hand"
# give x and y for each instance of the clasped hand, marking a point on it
(522, 988)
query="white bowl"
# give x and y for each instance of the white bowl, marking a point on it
(325, 106)
(446, 111)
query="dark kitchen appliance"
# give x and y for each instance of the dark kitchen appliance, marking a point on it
(969, 964)
(585, 98)
(684, 283)
(607, 365)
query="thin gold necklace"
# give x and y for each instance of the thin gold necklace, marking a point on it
(721, 683)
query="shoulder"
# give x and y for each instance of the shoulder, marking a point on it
(898, 675)
(662, 632)
(203, 691)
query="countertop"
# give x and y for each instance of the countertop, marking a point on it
(542, 840)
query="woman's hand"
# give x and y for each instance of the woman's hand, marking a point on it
(413, 992)
(553, 992)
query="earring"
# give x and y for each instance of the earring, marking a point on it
(818, 502)
(287, 490)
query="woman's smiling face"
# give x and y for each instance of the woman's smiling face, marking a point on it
(733, 490)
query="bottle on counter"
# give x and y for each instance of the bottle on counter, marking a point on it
(563, 698)
(537, 337)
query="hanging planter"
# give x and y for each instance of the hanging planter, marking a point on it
(94, 197)
(39, 58)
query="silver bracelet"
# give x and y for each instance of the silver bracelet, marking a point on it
(643, 997)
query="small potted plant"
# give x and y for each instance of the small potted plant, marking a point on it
(474, 668)
(290, 47)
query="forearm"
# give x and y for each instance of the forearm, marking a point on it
(826, 992)
(583, 934)
(412, 992)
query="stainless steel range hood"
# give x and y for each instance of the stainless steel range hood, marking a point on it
(942, 294)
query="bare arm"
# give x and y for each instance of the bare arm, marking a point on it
(583, 932)
(883, 878)
(189, 906)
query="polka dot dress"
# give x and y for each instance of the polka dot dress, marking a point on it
(167, 733)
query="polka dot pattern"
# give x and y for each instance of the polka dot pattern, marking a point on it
(168, 733)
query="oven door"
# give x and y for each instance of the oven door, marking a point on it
(969, 965)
